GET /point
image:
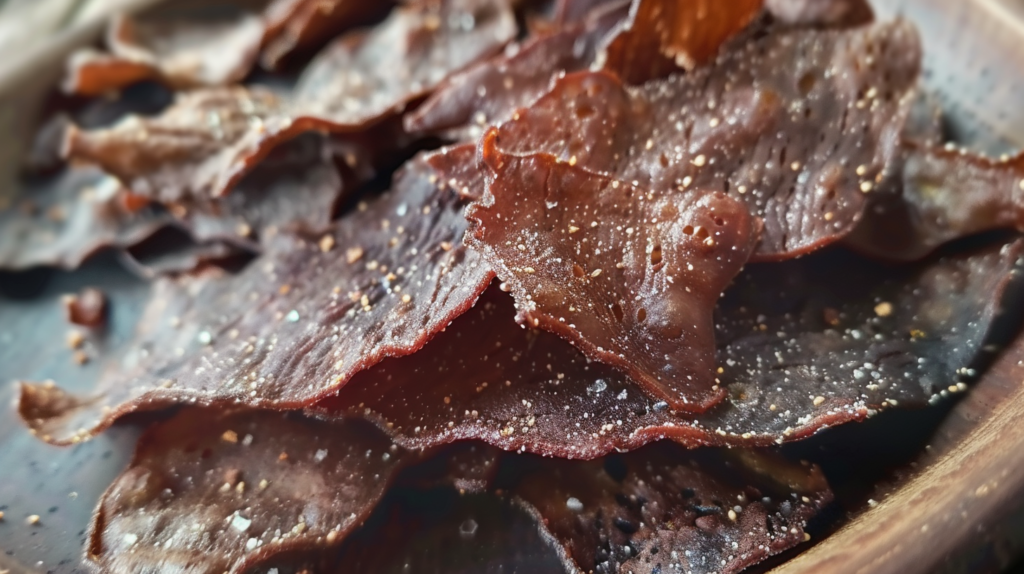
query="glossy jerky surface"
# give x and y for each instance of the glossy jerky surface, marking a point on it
(799, 125)
(835, 339)
(203, 144)
(228, 491)
(180, 53)
(296, 324)
(630, 277)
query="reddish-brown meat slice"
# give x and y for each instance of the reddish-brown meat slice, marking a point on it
(180, 53)
(798, 124)
(665, 36)
(662, 509)
(802, 346)
(821, 12)
(204, 143)
(628, 275)
(941, 195)
(296, 324)
(300, 26)
(87, 308)
(225, 492)
(490, 92)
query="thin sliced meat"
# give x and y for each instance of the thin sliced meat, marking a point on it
(489, 92)
(226, 492)
(204, 143)
(301, 26)
(182, 53)
(802, 346)
(662, 509)
(821, 12)
(296, 324)
(630, 277)
(801, 125)
(661, 37)
(941, 195)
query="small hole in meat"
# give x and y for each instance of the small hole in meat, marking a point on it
(641, 315)
(806, 83)
(663, 160)
(584, 111)
(617, 310)
(578, 271)
(702, 233)
(688, 230)
(719, 221)
(656, 255)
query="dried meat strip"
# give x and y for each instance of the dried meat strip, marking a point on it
(229, 491)
(662, 509)
(629, 276)
(821, 12)
(181, 53)
(300, 26)
(801, 125)
(941, 195)
(802, 346)
(296, 324)
(204, 143)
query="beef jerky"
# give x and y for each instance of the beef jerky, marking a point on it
(226, 492)
(180, 53)
(802, 346)
(941, 195)
(296, 324)
(665, 36)
(629, 277)
(800, 125)
(203, 144)
(87, 308)
(300, 26)
(821, 12)
(489, 92)
(171, 251)
(662, 509)
(457, 167)
(61, 220)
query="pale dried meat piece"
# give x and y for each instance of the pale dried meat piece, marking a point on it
(662, 37)
(802, 346)
(801, 125)
(204, 143)
(941, 195)
(821, 12)
(296, 324)
(489, 92)
(630, 277)
(663, 509)
(230, 491)
(300, 26)
(182, 53)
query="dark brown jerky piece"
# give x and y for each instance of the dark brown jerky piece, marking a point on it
(821, 12)
(87, 308)
(180, 53)
(662, 509)
(629, 276)
(798, 124)
(61, 220)
(225, 492)
(802, 346)
(941, 195)
(459, 168)
(296, 324)
(490, 92)
(304, 25)
(203, 144)
(661, 37)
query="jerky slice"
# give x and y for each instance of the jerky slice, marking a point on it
(663, 36)
(297, 26)
(836, 339)
(182, 54)
(203, 144)
(821, 12)
(230, 491)
(629, 276)
(296, 324)
(798, 124)
(941, 195)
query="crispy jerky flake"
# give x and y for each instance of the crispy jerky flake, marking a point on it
(302, 25)
(664, 36)
(204, 143)
(629, 275)
(297, 323)
(662, 509)
(180, 53)
(798, 124)
(836, 338)
(225, 492)
(941, 195)
(489, 92)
